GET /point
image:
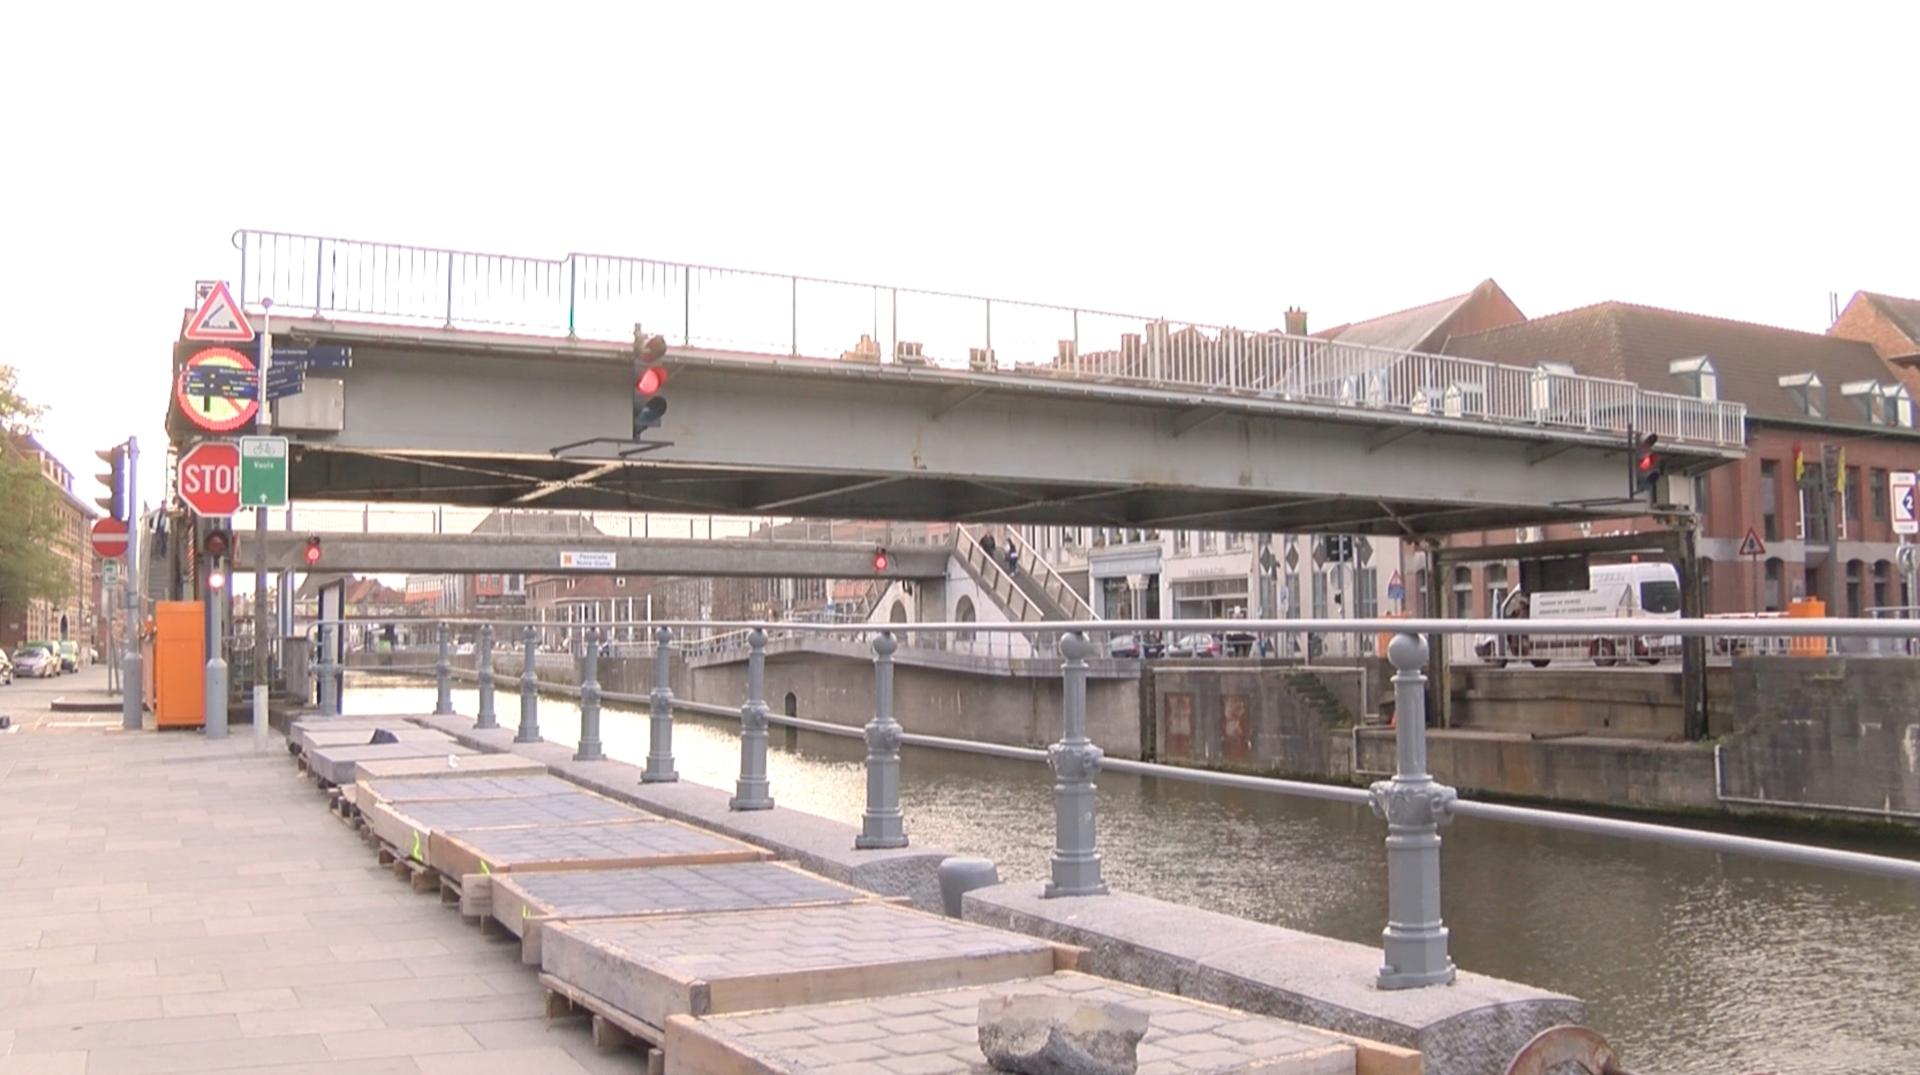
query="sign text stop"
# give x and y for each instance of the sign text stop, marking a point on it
(210, 477)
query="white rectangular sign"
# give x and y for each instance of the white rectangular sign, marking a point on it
(586, 561)
(1901, 492)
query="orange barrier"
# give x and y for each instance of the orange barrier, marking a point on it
(1381, 642)
(1809, 646)
(179, 664)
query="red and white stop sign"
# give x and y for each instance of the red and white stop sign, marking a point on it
(109, 538)
(210, 477)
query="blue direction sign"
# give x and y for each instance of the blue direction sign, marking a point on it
(220, 381)
(325, 356)
(284, 381)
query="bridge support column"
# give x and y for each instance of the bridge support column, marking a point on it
(483, 672)
(1414, 806)
(751, 792)
(659, 768)
(529, 693)
(589, 749)
(443, 673)
(882, 825)
(328, 673)
(1076, 762)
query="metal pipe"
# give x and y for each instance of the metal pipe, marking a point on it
(882, 825)
(529, 689)
(751, 791)
(1414, 806)
(590, 749)
(329, 685)
(1076, 763)
(659, 768)
(443, 674)
(483, 672)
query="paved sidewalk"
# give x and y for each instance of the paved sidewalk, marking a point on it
(168, 904)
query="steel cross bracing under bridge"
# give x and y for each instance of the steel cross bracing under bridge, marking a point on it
(813, 398)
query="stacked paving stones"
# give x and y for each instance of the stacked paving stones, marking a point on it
(713, 961)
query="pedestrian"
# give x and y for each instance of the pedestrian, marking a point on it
(1013, 558)
(987, 544)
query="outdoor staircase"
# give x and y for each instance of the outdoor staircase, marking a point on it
(1034, 593)
(1311, 690)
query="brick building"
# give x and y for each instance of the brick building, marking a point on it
(73, 617)
(1802, 391)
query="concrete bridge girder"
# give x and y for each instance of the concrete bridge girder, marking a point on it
(459, 417)
(503, 554)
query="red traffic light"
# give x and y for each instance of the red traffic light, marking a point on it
(880, 560)
(312, 551)
(651, 380)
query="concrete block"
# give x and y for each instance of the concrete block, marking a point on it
(338, 764)
(436, 768)
(1471, 1027)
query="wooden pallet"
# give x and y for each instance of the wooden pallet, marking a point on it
(612, 1028)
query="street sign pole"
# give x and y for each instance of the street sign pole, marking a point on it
(260, 633)
(132, 704)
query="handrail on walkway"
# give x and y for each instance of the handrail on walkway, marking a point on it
(1413, 804)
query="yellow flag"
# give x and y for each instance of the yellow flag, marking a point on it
(1840, 472)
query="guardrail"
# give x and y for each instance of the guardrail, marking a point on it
(1412, 803)
(597, 296)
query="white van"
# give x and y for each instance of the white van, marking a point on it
(1615, 591)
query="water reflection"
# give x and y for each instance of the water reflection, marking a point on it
(1692, 964)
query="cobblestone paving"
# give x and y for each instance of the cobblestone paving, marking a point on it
(718, 887)
(422, 789)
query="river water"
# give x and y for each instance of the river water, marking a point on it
(1690, 963)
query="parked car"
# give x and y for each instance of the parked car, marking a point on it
(1194, 646)
(6, 668)
(36, 660)
(1133, 647)
(69, 657)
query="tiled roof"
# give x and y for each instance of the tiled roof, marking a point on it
(1903, 313)
(1637, 343)
(1422, 328)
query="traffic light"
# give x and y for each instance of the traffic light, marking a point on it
(115, 502)
(216, 579)
(880, 560)
(216, 543)
(1647, 468)
(649, 381)
(312, 552)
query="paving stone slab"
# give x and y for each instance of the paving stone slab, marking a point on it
(353, 737)
(523, 901)
(335, 764)
(653, 968)
(451, 784)
(299, 732)
(436, 767)
(934, 1033)
(408, 826)
(646, 841)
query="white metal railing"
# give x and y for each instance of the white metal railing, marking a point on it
(1055, 587)
(592, 296)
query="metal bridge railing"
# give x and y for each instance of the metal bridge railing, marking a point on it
(1412, 803)
(595, 296)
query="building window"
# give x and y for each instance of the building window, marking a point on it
(1206, 541)
(1772, 593)
(1853, 587)
(1700, 487)
(1181, 539)
(1808, 393)
(1290, 599)
(1853, 494)
(1698, 375)
(1877, 493)
(1320, 595)
(1882, 583)
(1706, 584)
(1462, 592)
(1497, 588)
(1770, 499)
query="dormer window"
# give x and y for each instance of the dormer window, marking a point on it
(1808, 391)
(1868, 397)
(1897, 405)
(1698, 374)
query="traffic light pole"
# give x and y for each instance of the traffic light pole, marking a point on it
(261, 634)
(132, 704)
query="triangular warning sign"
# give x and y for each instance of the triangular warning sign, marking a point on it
(1751, 544)
(219, 319)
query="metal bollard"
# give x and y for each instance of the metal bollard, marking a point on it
(1076, 762)
(590, 702)
(1414, 806)
(443, 673)
(529, 694)
(750, 793)
(659, 768)
(882, 825)
(329, 686)
(483, 671)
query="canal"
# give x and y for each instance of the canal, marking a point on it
(1690, 963)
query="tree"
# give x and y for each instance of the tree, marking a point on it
(29, 507)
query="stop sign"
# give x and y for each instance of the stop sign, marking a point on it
(109, 538)
(210, 477)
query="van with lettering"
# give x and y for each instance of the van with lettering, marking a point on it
(1636, 591)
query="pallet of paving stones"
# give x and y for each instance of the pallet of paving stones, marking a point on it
(337, 765)
(303, 731)
(466, 783)
(647, 970)
(525, 901)
(935, 1032)
(408, 825)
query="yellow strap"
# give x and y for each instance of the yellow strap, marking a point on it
(417, 856)
(486, 869)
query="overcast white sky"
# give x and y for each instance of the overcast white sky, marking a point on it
(1203, 161)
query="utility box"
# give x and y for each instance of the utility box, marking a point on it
(179, 664)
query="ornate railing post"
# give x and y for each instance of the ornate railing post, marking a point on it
(590, 702)
(659, 768)
(750, 793)
(483, 671)
(443, 674)
(1414, 806)
(529, 690)
(328, 671)
(881, 825)
(1076, 762)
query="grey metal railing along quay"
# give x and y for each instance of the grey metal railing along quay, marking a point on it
(593, 296)
(1412, 803)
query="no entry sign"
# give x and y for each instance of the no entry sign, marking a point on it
(210, 477)
(109, 538)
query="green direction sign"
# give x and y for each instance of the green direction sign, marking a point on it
(263, 472)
